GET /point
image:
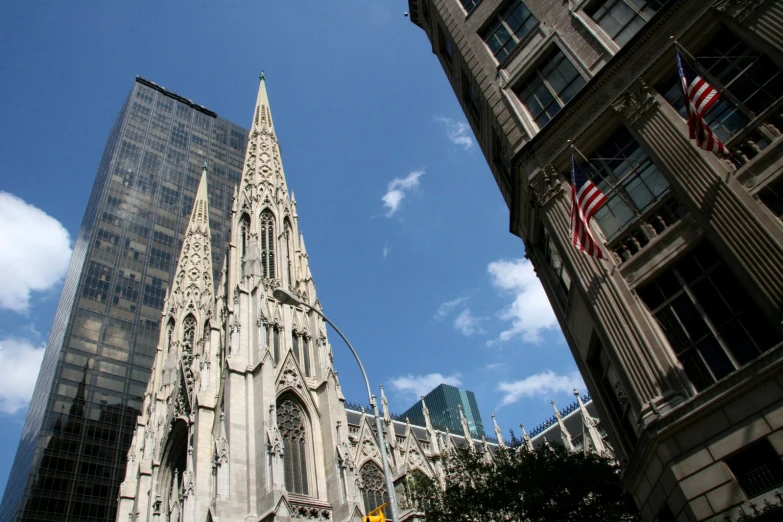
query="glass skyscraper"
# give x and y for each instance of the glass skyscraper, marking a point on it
(71, 456)
(443, 403)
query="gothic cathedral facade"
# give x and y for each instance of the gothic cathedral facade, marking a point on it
(243, 415)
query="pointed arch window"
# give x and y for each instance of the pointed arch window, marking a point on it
(374, 489)
(244, 233)
(274, 334)
(306, 354)
(188, 334)
(292, 423)
(295, 346)
(289, 250)
(268, 244)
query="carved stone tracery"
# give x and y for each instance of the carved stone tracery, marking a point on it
(635, 101)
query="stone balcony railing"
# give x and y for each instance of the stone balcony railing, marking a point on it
(757, 135)
(649, 225)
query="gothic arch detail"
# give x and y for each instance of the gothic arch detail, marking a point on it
(373, 486)
(268, 244)
(294, 429)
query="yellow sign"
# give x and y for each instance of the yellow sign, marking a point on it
(376, 515)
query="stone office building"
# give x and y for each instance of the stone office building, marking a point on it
(678, 335)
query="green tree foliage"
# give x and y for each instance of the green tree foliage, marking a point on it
(547, 485)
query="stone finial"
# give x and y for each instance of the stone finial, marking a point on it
(526, 438)
(498, 433)
(589, 429)
(564, 435)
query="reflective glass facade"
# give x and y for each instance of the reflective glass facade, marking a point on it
(443, 402)
(71, 457)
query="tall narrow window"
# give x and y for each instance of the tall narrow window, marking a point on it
(293, 429)
(289, 251)
(306, 355)
(268, 244)
(469, 5)
(471, 97)
(612, 391)
(628, 178)
(550, 86)
(446, 46)
(244, 231)
(295, 346)
(621, 19)
(276, 343)
(555, 263)
(747, 74)
(712, 324)
(508, 28)
(374, 491)
(188, 334)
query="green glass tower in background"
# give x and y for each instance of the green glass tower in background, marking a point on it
(71, 456)
(443, 403)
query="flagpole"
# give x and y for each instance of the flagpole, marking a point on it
(713, 80)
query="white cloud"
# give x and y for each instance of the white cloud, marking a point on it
(19, 364)
(397, 190)
(545, 383)
(34, 252)
(386, 251)
(491, 367)
(530, 312)
(418, 385)
(447, 307)
(458, 132)
(467, 324)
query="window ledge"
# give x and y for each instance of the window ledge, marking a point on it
(519, 46)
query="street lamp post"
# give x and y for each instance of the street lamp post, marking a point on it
(286, 297)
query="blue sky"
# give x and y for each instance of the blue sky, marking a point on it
(406, 231)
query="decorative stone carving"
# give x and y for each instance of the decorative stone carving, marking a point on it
(635, 101)
(369, 448)
(546, 185)
(738, 9)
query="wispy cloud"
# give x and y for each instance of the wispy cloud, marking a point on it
(447, 307)
(530, 312)
(493, 367)
(386, 251)
(468, 324)
(458, 132)
(418, 385)
(545, 383)
(397, 190)
(22, 360)
(34, 252)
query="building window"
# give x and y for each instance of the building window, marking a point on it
(295, 346)
(470, 5)
(747, 74)
(470, 97)
(555, 264)
(612, 391)
(508, 28)
(500, 159)
(293, 430)
(306, 355)
(757, 468)
(374, 487)
(446, 46)
(276, 343)
(628, 178)
(772, 196)
(712, 324)
(244, 236)
(550, 86)
(621, 19)
(268, 244)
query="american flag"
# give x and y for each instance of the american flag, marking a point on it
(586, 199)
(698, 96)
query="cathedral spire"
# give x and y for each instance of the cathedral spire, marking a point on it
(526, 438)
(263, 115)
(465, 429)
(192, 287)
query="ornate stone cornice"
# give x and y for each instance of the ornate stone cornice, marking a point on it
(635, 102)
